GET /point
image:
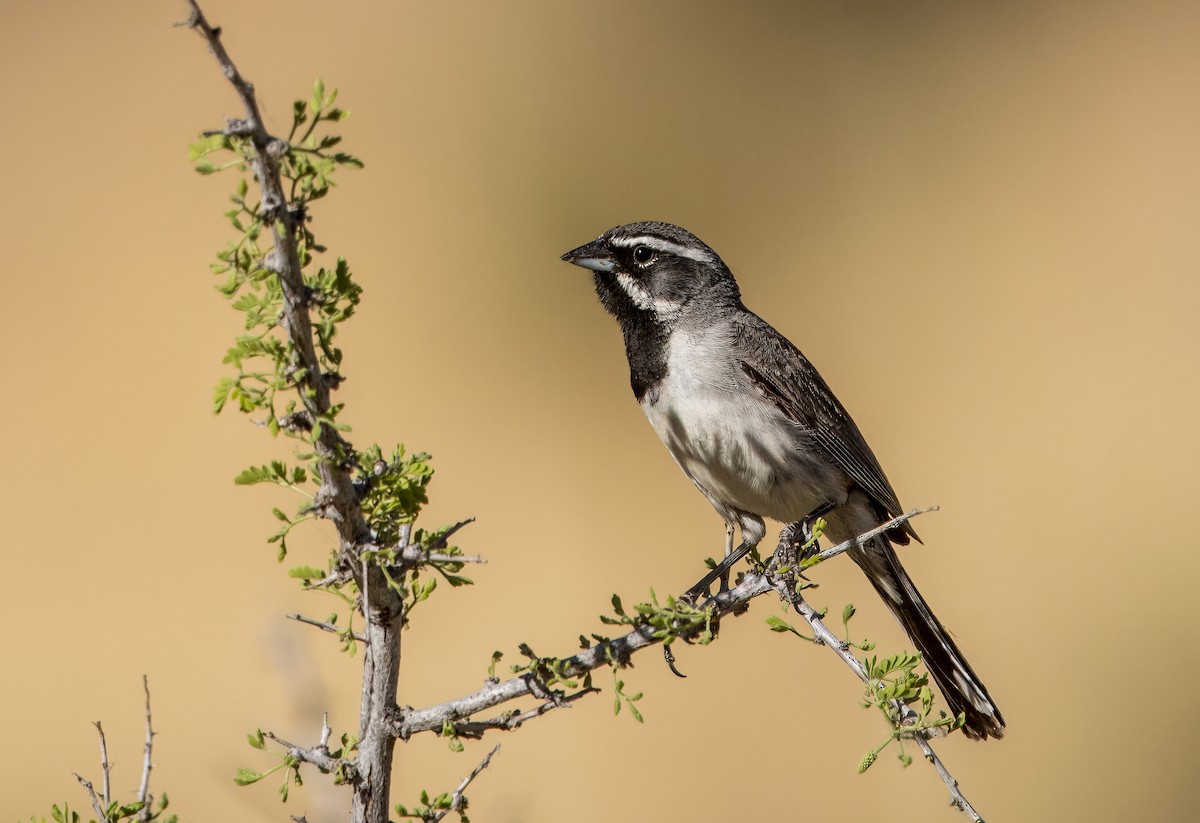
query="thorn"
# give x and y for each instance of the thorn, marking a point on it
(669, 656)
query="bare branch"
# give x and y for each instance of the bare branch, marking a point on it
(847, 545)
(105, 769)
(436, 557)
(956, 796)
(147, 764)
(328, 627)
(514, 720)
(412, 555)
(96, 806)
(458, 800)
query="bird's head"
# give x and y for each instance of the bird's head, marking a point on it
(655, 269)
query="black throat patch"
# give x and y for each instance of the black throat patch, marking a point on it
(645, 335)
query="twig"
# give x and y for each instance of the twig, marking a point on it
(445, 536)
(458, 800)
(335, 577)
(409, 554)
(105, 769)
(847, 545)
(514, 720)
(147, 764)
(318, 755)
(956, 796)
(328, 627)
(413, 554)
(87, 784)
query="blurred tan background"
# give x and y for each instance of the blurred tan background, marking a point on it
(979, 220)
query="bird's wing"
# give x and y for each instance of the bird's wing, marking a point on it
(788, 380)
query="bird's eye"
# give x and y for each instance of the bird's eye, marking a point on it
(643, 255)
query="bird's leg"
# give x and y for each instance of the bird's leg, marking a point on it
(751, 534)
(693, 594)
(728, 551)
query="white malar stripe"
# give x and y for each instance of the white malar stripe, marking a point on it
(636, 291)
(665, 246)
(642, 298)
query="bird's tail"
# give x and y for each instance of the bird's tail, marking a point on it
(961, 688)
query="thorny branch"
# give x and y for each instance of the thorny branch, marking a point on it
(336, 498)
(458, 800)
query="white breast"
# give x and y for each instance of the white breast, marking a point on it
(742, 453)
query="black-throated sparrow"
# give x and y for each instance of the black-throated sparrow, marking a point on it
(752, 424)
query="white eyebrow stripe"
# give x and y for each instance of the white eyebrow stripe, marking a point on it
(665, 246)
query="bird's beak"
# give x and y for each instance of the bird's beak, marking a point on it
(594, 256)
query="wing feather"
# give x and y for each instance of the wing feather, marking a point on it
(789, 380)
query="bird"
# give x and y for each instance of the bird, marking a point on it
(756, 428)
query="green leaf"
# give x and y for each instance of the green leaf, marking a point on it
(221, 393)
(347, 160)
(257, 740)
(848, 612)
(206, 145)
(315, 103)
(306, 573)
(778, 624)
(245, 777)
(276, 472)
